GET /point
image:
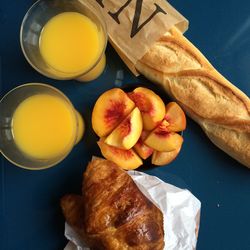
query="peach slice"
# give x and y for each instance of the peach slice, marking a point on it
(150, 105)
(161, 139)
(126, 159)
(109, 110)
(141, 148)
(175, 117)
(128, 131)
(164, 158)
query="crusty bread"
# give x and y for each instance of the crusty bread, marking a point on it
(112, 213)
(220, 108)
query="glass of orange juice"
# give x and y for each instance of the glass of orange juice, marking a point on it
(38, 126)
(64, 39)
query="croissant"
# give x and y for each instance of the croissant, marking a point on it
(112, 213)
(220, 108)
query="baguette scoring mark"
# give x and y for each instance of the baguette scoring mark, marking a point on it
(202, 92)
(173, 58)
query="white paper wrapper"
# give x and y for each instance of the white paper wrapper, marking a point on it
(181, 213)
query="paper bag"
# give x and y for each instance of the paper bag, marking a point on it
(134, 25)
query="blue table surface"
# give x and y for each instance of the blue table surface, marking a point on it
(30, 216)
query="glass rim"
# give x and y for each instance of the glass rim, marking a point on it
(75, 116)
(37, 84)
(102, 22)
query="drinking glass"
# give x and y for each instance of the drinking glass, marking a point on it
(32, 25)
(8, 105)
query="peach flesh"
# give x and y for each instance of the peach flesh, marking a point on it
(150, 105)
(169, 142)
(176, 117)
(162, 129)
(115, 113)
(143, 150)
(161, 139)
(127, 133)
(125, 154)
(126, 159)
(125, 127)
(164, 158)
(141, 102)
(109, 110)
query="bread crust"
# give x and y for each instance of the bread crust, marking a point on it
(112, 213)
(219, 107)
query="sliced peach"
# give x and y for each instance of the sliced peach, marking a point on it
(141, 148)
(161, 139)
(128, 131)
(175, 117)
(150, 105)
(109, 110)
(163, 158)
(126, 159)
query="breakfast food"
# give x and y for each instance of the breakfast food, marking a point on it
(133, 125)
(163, 158)
(127, 133)
(221, 109)
(162, 139)
(175, 117)
(70, 44)
(141, 148)
(112, 213)
(109, 111)
(44, 126)
(151, 106)
(127, 159)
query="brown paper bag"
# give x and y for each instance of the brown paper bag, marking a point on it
(134, 25)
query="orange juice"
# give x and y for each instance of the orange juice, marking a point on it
(44, 126)
(71, 43)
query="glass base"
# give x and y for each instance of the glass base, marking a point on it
(95, 72)
(81, 127)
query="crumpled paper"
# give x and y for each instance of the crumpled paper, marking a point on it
(181, 213)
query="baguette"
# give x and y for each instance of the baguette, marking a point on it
(220, 108)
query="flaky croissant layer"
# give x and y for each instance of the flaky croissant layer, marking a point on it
(112, 213)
